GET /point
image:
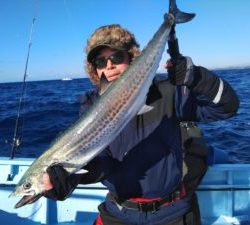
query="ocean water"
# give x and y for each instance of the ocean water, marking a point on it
(51, 106)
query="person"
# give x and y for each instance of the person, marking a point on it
(143, 167)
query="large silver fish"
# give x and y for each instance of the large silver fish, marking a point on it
(98, 127)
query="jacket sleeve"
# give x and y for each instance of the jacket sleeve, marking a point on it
(208, 98)
(99, 168)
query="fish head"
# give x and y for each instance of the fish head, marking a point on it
(30, 188)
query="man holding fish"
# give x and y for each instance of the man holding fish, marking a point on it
(142, 167)
(129, 135)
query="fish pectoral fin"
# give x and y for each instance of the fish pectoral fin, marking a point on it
(145, 108)
(82, 171)
(104, 84)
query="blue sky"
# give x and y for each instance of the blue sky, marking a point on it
(219, 35)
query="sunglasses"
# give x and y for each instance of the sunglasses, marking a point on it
(116, 58)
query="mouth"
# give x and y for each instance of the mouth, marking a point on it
(112, 77)
(27, 199)
(115, 74)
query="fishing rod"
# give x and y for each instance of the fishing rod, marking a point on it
(17, 138)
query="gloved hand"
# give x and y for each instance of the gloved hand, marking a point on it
(63, 183)
(180, 70)
(198, 79)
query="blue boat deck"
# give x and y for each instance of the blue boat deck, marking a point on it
(224, 197)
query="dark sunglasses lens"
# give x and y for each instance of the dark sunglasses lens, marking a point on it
(100, 63)
(118, 57)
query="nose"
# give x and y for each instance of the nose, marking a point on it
(109, 64)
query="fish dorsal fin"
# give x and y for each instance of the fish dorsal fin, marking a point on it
(104, 84)
(145, 108)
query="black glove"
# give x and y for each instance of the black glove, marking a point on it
(63, 182)
(198, 79)
(180, 71)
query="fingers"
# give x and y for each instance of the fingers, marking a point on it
(177, 70)
(56, 183)
(169, 64)
(46, 182)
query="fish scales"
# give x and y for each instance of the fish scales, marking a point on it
(117, 107)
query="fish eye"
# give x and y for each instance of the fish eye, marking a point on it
(27, 185)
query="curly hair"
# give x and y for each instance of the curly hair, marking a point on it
(113, 36)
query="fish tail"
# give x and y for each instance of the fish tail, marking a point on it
(179, 16)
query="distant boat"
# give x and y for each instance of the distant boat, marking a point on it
(66, 78)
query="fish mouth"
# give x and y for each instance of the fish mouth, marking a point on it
(27, 199)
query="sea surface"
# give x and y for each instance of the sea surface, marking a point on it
(51, 106)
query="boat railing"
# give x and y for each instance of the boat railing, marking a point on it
(224, 198)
